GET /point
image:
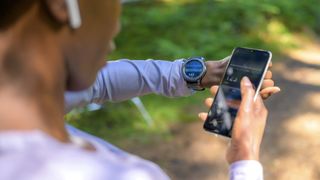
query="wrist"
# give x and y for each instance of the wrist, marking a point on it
(241, 156)
(241, 153)
(215, 72)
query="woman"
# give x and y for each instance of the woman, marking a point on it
(46, 48)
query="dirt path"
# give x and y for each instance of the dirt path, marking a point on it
(291, 148)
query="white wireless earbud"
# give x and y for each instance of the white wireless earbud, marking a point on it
(74, 13)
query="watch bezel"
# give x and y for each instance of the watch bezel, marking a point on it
(194, 79)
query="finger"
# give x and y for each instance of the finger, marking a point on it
(270, 64)
(268, 75)
(214, 90)
(267, 83)
(203, 116)
(270, 90)
(208, 102)
(247, 95)
(226, 58)
(266, 93)
(265, 96)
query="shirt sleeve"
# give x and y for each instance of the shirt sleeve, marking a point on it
(124, 79)
(246, 170)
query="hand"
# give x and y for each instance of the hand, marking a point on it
(268, 88)
(248, 127)
(216, 69)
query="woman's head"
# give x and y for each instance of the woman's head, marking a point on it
(42, 55)
(83, 50)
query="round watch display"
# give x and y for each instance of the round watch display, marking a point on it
(193, 69)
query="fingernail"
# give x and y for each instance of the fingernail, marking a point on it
(246, 81)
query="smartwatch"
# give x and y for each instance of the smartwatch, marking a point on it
(193, 70)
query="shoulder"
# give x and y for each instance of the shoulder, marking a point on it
(49, 161)
(39, 157)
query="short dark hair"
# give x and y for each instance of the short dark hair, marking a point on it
(11, 10)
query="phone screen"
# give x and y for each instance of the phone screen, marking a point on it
(244, 62)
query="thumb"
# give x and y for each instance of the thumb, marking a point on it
(247, 95)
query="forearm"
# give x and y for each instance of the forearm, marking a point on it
(125, 79)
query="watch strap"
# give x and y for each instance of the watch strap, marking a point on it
(195, 86)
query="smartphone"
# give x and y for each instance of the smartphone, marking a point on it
(252, 63)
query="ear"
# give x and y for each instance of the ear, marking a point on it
(58, 10)
(65, 11)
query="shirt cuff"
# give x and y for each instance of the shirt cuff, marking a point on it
(185, 89)
(246, 170)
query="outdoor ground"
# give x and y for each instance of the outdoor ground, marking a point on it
(291, 144)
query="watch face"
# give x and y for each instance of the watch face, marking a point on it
(193, 69)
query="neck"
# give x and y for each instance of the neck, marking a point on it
(32, 84)
(19, 113)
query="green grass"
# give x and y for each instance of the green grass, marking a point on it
(183, 28)
(118, 121)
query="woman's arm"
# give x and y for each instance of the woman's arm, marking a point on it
(124, 79)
